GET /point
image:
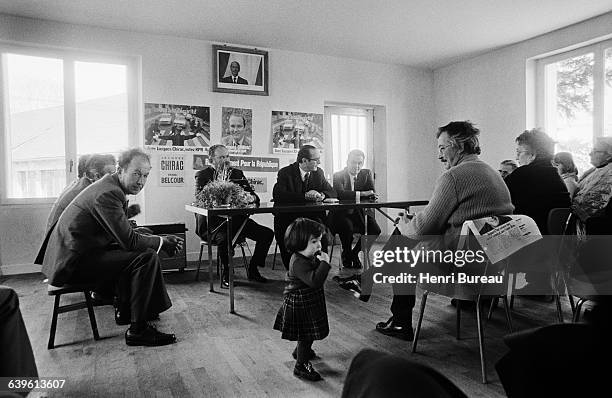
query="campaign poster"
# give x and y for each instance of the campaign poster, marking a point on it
(244, 163)
(171, 170)
(170, 127)
(237, 133)
(293, 130)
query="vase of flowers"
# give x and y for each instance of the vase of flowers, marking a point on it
(222, 193)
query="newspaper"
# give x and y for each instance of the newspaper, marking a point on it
(501, 236)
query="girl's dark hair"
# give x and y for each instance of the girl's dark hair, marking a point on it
(300, 232)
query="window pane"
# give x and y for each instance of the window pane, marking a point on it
(608, 93)
(348, 132)
(569, 106)
(101, 107)
(35, 126)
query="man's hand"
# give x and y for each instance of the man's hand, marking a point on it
(171, 244)
(314, 195)
(368, 194)
(133, 210)
(323, 257)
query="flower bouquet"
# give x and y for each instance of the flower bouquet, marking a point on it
(222, 193)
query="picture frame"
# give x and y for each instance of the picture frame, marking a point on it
(239, 70)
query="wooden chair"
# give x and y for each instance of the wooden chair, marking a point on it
(60, 309)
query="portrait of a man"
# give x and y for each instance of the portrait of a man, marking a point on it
(237, 134)
(234, 77)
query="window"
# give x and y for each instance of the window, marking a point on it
(575, 99)
(57, 106)
(351, 128)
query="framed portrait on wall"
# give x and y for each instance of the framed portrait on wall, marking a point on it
(240, 70)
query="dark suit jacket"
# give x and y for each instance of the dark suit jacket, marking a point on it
(535, 189)
(69, 193)
(229, 79)
(342, 185)
(92, 221)
(289, 186)
(207, 175)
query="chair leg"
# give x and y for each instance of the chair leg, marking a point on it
(56, 303)
(578, 309)
(481, 342)
(458, 320)
(274, 258)
(559, 309)
(572, 304)
(507, 311)
(92, 315)
(492, 307)
(244, 260)
(197, 276)
(418, 328)
(331, 253)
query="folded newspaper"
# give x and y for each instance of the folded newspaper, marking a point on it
(501, 236)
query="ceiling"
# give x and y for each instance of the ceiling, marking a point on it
(418, 33)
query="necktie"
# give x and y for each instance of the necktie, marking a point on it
(306, 182)
(235, 79)
(354, 182)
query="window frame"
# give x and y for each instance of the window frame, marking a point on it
(598, 50)
(349, 110)
(68, 57)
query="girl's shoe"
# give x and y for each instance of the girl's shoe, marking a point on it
(306, 371)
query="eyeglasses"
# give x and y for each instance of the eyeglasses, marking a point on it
(594, 151)
(318, 160)
(519, 151)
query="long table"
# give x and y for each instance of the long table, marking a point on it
(276, 208)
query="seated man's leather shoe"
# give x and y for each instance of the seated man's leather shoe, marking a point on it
(150, 337)
(352, 286)
(224, 280)
(393, 329)
(306, 371)
(254, 275)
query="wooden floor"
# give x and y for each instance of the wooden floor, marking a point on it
(219, 354)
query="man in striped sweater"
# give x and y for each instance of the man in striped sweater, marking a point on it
(469, 189)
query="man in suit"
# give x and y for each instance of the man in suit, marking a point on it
(219, 157)
(93, 242)
(95, 167)
(237, 136)
(300, 182)
(348, 183)
(234, 78)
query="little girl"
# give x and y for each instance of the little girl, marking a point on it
(303, 316)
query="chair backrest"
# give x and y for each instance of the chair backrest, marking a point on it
(557, 220)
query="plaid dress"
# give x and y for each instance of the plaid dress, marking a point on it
(303, 314)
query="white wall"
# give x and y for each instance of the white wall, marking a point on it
(491, 89)
(178, 70)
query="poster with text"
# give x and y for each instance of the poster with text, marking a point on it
(292, 130)
(170, 127)
(171, 170)
(237, 134)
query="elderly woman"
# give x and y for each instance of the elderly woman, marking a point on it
(564, 162)
(592, 200)
(469, 189)
(536, 187)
